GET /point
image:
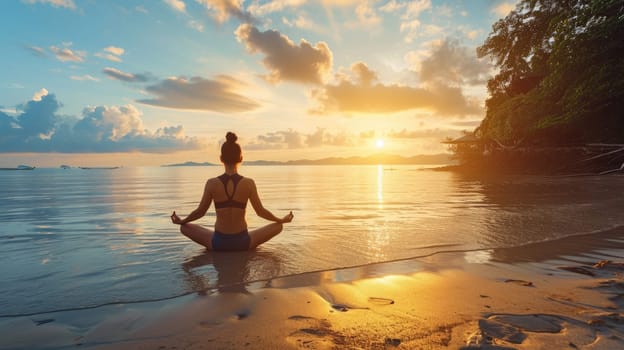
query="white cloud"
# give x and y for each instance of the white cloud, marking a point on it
(109, 57)
(39, 94)
(392, 6)
(117, 51)
(366, 14)
(410, 28)
(198, 26)
(339, 3)
(56, 3)
(65, 54)
(301, 21)
(111, 53)
(503, 9)
(269, 7)
(222, 10)
(410, 11)
(415, 8)
(38, 51)
(84, 77)
(177, 5)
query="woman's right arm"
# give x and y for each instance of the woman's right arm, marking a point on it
(261, 211)
(199, 212)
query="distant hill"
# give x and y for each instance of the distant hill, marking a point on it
(190, 164)
(385, 159)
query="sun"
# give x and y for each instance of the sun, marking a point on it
(380, 143)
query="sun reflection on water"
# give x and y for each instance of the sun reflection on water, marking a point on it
(380, 171)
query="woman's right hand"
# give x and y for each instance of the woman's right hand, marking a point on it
(287, 218)
(176, 219)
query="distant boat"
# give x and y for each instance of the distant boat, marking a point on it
(20, 167)
(65, 166)
(98, 168)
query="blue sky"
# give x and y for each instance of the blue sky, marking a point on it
(104, 82)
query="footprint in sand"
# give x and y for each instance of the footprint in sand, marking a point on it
(520, 282)
(380, 301)
(313, 333)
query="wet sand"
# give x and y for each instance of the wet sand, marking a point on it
(530, 297)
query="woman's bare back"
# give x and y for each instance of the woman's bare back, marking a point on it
(230, 219)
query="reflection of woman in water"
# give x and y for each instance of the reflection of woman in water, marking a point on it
(230, 193)
(234, 270)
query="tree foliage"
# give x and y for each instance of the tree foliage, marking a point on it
(561, 73)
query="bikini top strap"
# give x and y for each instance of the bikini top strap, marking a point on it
(235, 180)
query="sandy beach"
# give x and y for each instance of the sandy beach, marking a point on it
(517, 298)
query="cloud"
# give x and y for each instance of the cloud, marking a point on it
(117, 51)
(301, 21)
(84, 77)
(197, 93)
(468, 123)
(56, 3)
(284, 59)
(503, 9)
(366, 15)
(38, 128)
(65, 54)
(198, 26)
(291, 139)
(363, 74)
(108, 57)
(222, 10)
(339, 3)
(39, 94)
(359, 95)
(451, 63)
(111, 53)
(37, 51)
(392, 6)
(177, 5)
(422, 133)
(116, 74)
(269, 7)
(410, 11)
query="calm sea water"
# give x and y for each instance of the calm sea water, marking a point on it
(81, 238)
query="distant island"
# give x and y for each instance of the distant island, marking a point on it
(386, 159)
(190, 164)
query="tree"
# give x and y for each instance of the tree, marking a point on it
(561, 73)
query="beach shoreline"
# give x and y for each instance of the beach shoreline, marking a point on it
(485, 299)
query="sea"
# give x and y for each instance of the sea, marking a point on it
(72, 239)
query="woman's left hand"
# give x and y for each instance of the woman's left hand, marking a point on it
(288, 218)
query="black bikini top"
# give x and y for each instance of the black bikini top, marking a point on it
(230, 202)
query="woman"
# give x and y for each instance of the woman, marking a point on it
(230, 193)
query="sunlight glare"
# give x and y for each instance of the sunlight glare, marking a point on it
(379, 143)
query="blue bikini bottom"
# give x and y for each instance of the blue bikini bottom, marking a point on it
(231, 241)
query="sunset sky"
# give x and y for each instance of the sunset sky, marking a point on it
(138, 82)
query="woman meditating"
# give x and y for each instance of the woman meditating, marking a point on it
(230, 193)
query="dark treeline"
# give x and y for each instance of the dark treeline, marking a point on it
(559, 89)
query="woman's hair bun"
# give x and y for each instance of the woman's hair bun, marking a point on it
(231, 137)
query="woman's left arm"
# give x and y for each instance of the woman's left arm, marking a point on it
(199, 212)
